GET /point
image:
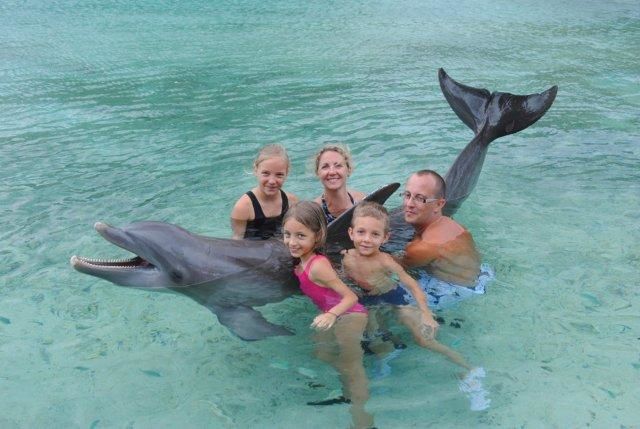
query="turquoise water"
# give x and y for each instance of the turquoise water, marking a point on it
(121, 111)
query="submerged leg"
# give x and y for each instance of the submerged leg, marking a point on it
(349, 330)
(410, 317)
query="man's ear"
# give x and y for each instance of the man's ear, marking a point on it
(440, 204)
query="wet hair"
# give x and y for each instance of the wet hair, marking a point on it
(441, 187)
(338, 148)
(309, 214)
(371, 209)
(271, 151)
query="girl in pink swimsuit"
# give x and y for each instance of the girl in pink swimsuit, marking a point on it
(342, 321)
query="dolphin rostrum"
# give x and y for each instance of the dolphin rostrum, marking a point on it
(230, 277)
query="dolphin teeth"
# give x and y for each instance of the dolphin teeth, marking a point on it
(116, 264)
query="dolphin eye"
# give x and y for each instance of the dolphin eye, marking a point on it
(176, 276)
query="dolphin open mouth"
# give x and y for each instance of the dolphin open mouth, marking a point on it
(117, 237)
(115, 264)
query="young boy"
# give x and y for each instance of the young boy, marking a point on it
(384, 280)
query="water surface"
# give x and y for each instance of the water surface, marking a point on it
(122, 111)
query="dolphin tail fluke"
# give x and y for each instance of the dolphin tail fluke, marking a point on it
(490, 116)
(494, 114)
(247, 323)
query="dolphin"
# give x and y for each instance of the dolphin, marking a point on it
(230, 277)
(226, 276)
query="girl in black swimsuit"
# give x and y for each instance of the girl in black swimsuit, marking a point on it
(257, 215)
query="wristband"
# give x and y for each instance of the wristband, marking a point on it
(330, 312)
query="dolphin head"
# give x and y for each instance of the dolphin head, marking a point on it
(167, 256)
(151, 267)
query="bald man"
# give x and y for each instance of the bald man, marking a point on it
(441, 247)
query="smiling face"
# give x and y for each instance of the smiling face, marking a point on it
(271, 174)
(333, 170)
(416, 212)
(299, 239)
(368, 234)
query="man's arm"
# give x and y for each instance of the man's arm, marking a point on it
(419, 254)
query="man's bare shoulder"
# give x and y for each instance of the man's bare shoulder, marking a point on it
(452, 223)
(442, 231)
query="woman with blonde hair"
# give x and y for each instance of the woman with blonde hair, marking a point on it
(333, 166)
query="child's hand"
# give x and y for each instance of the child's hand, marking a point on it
(429, 326)
(324, 321)
(348, 259)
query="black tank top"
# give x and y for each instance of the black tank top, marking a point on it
(261, 227)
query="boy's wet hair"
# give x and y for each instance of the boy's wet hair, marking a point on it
(371, 209)
(309, 214)
(271, 151)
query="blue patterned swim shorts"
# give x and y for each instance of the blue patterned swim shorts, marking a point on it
(442, 294)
